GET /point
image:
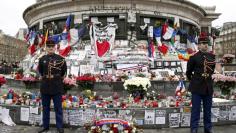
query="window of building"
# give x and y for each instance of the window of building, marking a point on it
(153, 20)
(119, 19)
(34, 27)
(190, 29)
(56, 26)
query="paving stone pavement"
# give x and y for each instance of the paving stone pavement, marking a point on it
(33, 129)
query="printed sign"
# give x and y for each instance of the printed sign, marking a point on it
(174, 119)
(160, 116)
(185, 119)
(149, 116)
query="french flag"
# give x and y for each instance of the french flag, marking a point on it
(64, 45)
(180, 87)
(32, 45)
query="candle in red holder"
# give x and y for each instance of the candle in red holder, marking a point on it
(154, 104)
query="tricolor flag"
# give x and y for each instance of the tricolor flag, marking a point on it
(180, 87)
(64, 45)
(68, 22)
(151, 48)
(157, 35)
(32, 41)
(169, 33)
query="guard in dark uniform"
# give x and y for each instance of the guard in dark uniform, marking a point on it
(200, 68)
(52, 68)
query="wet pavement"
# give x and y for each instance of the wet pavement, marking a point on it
(33, 129)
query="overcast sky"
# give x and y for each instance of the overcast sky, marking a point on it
(11, 13)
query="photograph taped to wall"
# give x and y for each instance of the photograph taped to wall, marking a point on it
(160, 117)
(215, 112)
(174, 119)
(185, 119)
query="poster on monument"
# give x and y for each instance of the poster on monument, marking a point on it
(160, 117)
(125, 115)
(109, 113)
(224, 113)
(35, 119)
(75, 117)
(24, 114)
(74, 70)
(232, 114)
(201, 119)
(34, 110)
(85, 69)
(174, 119)
(185, 119)
(52, 117)
(149, 117)
(65, 116)
(89, 115)
(215, 112)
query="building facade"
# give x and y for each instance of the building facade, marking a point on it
(21, 34)
(226, 44)
(133, 19)
(12, 49)
(46, 13)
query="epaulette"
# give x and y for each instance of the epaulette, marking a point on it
(193, 54)
(60, 56)
(212, 53)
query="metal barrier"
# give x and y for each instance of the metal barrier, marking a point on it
(145, 118)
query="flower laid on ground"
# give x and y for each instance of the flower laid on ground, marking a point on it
(2, 80)
(69, 82)
(86, 81)
(86, 77)
(137, 87)
(137, 83)
(104, 78)
(30, 76)
(228, 58)
(225, 83)
(29, 79)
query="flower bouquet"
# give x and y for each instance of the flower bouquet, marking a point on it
(112, 125)
(225, 83)
(2, 80)
(29, 79)
(86, 82)
(228, 58)
(69, 83)
(137, 86)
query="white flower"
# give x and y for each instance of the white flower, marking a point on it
(138, 81)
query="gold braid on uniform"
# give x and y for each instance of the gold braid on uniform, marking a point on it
(207, 66)
(54, 65)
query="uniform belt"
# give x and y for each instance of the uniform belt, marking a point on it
(51, 76)
(205, 75)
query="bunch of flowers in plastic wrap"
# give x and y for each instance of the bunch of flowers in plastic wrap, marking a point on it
(86, 81)
(2, 80)
(137, 83)
(225, 83)
(29, 79)
(137, 86)
(228, 58)
(69, 82)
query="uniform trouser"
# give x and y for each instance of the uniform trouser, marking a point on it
(195, 114)
(57, 107)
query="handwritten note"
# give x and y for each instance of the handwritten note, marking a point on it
(24, 114)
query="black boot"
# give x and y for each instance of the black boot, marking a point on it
(194, 131)
(60, 130)
(44, 130)
(208, 131)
